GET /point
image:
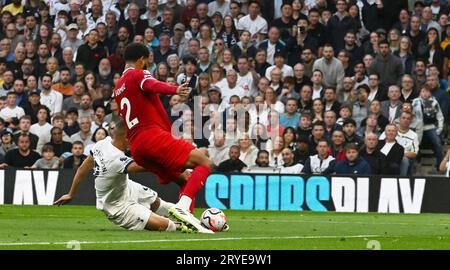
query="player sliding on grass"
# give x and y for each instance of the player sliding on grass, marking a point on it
(149, 132)
(125, 203)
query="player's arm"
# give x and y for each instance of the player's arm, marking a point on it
(133, 167)
(152, 85)
(80, 175)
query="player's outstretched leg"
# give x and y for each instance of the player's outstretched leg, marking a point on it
(161, 207)
(159, 223)
(202, 169)
(201, 166)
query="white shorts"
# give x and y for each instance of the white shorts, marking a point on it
(141, 194)
(135, 213)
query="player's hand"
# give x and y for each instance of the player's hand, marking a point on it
(63, 200)
(183, 90)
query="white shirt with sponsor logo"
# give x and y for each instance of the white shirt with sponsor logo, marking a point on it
(110, 167)
(247, 83)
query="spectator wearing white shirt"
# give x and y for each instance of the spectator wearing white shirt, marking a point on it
(279, 62)
(85, 134)
(98, 135)
(61, 22)
(393, 151)
(96, 15)
(248, 151)
(83, 26)
(247, 77)
(275, 157)
(254, 23)
(11, 110)
(231, 88)
(42, 127)
(258, 112)
(49, 97)
(272, 101)
(222, 6)
(407, 138)
(273, 44)
(322, 163)
(153, 15)
(289, 166)
(218, 151)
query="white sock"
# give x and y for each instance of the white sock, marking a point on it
(171, 227)
(163, 208)
(184, 202)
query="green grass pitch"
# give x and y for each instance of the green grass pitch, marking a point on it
(51, 227)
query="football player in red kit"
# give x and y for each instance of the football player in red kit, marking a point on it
(149, 132)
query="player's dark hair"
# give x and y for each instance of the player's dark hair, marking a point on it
(134, 51)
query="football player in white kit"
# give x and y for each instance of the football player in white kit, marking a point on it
(126, 203)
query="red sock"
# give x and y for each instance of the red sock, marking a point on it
(192, 207)
(195, 182)
(181, 190)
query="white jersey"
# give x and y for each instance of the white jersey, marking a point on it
(247, 83)
(294, 169)
(110, 167)
(317, 165)
(258, 26)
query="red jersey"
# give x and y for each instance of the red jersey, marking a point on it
(136, 94)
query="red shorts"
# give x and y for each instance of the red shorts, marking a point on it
(161, 153)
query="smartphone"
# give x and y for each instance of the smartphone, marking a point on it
(302, 29)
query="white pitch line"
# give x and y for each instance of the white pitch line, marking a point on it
(283, 221)
(337, 222)
(191, 240)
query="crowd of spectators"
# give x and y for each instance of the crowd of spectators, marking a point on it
(301, 86)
